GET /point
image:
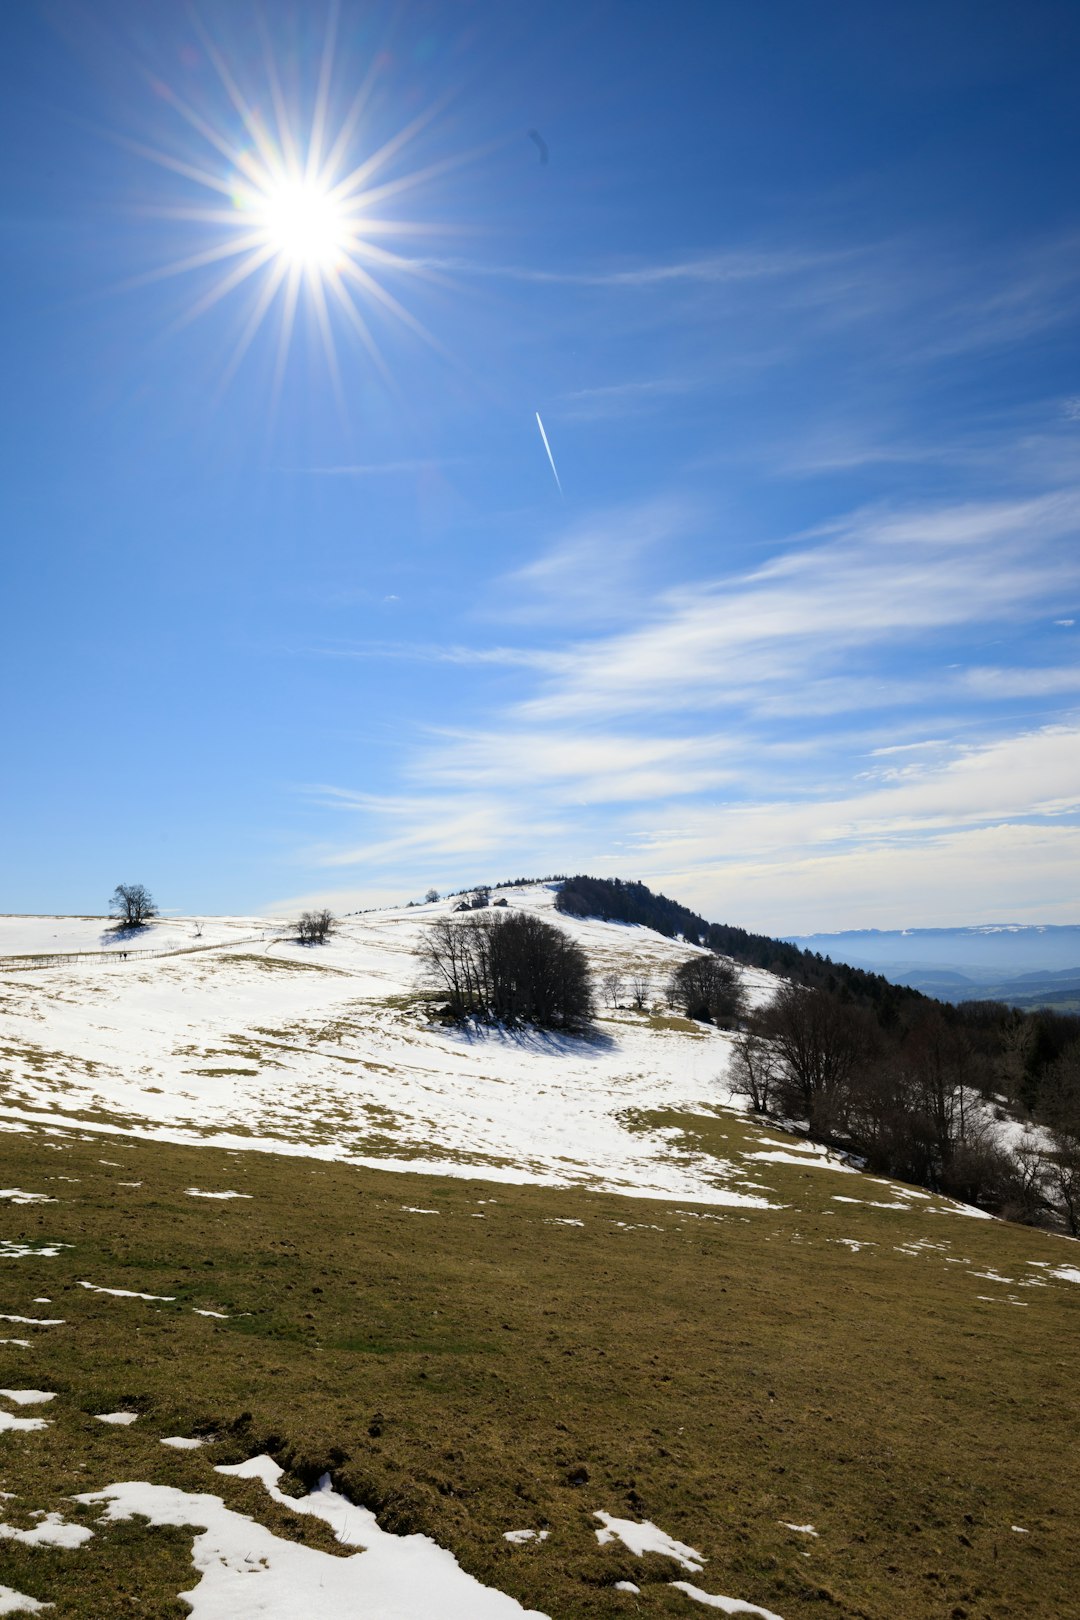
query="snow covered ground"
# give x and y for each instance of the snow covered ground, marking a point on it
(329, 1051)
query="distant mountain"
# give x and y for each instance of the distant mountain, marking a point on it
(1027, 965)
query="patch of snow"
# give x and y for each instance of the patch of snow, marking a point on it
(627, 1586)
(222, 1316)
(645, 1538)
(28, 1397)
(178, 1442)
(246, 1569)
(561, 1220)
(120, 1418)
(50, 1531)
(411, 1209)
(799, 1529)
(1019, 1530)
(517, 1537)
(1066, 1273)
(8, 1421)
(854, 1244)
(12, 1602)
(11, 1249)
(126, 1293)
(35, 1321)
(726, 1605)
(24, 1344)
(782, 1156)
(871, 1203)
(194, 1192)
(15, 1195)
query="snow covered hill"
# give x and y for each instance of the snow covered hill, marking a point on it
(331, 1051)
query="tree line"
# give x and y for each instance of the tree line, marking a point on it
(910, 1084)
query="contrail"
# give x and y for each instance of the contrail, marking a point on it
(547, 447)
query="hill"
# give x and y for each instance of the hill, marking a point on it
(561, 1306)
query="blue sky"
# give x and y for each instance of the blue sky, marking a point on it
(797, 296)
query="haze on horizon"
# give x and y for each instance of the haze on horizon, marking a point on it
(293, 608)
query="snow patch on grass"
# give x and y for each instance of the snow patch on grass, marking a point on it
(246, 1569)
(644, 1537)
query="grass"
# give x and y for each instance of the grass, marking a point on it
(716, 1371)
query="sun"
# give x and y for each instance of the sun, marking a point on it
(302, 221)
(293, 209)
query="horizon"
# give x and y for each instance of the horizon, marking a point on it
(777, 609)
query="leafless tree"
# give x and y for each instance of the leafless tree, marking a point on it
(640, 988)
(315, 927)
(431, 896)
(821, 1044)
(132, 905)
(755, 1068)
(612, 985)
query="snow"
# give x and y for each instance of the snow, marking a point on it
(627, 1586)
(50, 1531)
(645, 1538)
(11, 1250)
(1066, 1273)
(248, 1573)
(126, 1293)
(194, 1192)
(518, 1537)
(329, 1053)
(179, 1443)
(15, 1195)
(779, 1156)
(222, 1316)
(35, 1321)
(799, 1529)
(12, 1602)
(725, 1604)
(7, 1421)
(1019, 1530)
(122, 1419)
(411, 1209)
(28, 1397)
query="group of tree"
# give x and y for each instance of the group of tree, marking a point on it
(921, 1099)
(618, 900)
(511, 967)
(315, 927)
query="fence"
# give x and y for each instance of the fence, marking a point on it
(20, 964)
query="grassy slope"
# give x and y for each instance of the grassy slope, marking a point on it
(716, 1372)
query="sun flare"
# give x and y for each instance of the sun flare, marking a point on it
(295, 212)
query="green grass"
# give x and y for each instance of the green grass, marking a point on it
(728, 1371)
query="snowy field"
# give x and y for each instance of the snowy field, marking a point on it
(329, 1051)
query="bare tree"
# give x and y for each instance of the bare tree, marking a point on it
(640, 988)
(431, 896)
(132, 905)
(612, 986)
(821, 1044)
(315, 927)
(755, 1069)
